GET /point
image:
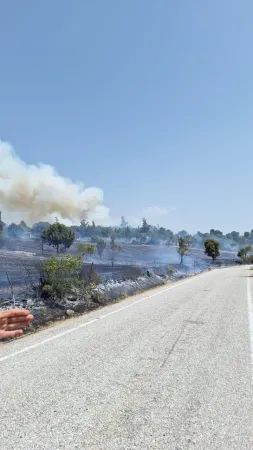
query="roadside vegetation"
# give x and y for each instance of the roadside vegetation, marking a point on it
(246, 254)
(58, 276)
(67, 282)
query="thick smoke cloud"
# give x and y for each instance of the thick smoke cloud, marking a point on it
(38, 192)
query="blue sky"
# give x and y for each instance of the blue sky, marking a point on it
(151, 101)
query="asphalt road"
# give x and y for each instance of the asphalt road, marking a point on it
(170, 369)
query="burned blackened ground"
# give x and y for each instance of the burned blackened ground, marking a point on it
(136, 269)
(22, 259)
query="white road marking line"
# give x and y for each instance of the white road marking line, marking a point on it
(250, 314)
(83, 325)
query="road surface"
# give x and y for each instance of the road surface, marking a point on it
(169, 369)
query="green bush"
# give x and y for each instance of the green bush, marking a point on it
(98, 297)
(244, 253)
(86, 249)
(122, 296)
(170, 270)
(59, 275)
(61, 268)
(57, 289)
(248, 259)
(46, 291)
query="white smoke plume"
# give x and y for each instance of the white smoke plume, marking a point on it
(37, 192)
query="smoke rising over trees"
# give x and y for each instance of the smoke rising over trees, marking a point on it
(38, 192)
(145, 233)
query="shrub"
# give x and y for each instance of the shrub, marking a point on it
(86, 249)
(61, 268)
(46, 291)
(170, 270)
(122, 296)
(58, 275)
(243, 253)
(90, 277)
(98, 297)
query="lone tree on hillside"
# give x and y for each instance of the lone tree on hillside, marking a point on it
(183, 248)
(101, 246)
(212, 248)
(57, 235)
(114, 250)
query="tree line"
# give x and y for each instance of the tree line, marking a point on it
(62, 237)
(143, 234)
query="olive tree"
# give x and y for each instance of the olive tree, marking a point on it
(58, 234)
(212, 248)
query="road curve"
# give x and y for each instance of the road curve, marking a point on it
(170, 369)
